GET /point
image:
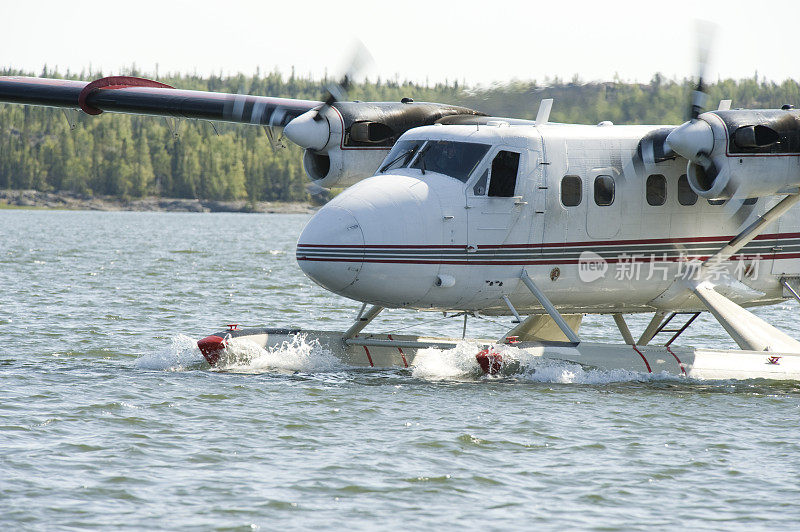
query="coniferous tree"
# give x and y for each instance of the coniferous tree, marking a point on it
(133, 156)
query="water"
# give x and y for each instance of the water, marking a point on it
(110, 419)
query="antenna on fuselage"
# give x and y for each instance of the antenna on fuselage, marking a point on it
(543, 116)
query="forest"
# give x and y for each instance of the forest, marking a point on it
(135, 156)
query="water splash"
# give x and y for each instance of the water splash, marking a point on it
(297, 354)
(448, 364)
(181, 354)
(459, 363)
(244, 356)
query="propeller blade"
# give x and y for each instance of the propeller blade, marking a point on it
(360, 59)
(705, 32)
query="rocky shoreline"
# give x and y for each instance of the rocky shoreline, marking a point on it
(35, 199)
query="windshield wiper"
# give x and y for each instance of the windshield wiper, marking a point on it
(421, 161)
(406, 153)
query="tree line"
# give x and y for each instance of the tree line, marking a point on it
(133, 156)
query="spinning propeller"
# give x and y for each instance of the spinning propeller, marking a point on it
(694, 139)
(360, 58)
(311, 130)
(705, 32)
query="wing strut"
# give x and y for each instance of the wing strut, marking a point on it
(746, 329)
(749, 233)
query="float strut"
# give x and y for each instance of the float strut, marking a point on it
(791, 290)
(623, 328)
(517, 319)
(362, 321)
(652, 328)
(548, 306)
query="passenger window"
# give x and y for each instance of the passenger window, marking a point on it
(656, 190)
(604, 190)
(686, 196)
(504, 174)
(571, 190)
(480, 185)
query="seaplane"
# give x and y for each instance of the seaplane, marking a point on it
(446, 209)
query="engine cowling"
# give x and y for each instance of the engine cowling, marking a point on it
(347, 141)
(741, 153)
(335, 167)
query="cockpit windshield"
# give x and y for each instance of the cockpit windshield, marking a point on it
(401, 154)
(452, 158)
(455, 159)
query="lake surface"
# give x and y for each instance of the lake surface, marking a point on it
(110, 419)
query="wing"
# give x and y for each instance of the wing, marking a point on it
(344, 141)
(125, 94)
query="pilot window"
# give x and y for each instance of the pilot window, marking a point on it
(686, 196)
(454, 159)
(717, 202)
(401, 154)
(604, 190)
(656, 190)
(504, 174)
(571, 191)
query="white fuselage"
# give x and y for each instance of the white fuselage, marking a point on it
(415, 238)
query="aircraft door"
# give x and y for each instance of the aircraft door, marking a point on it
(496, 200)
(603, 206)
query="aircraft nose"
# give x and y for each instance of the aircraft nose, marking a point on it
(330, 250)
(380, 240)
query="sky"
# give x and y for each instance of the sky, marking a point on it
(480, 42)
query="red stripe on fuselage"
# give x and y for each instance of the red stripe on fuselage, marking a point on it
(681, 240)
(523, 262)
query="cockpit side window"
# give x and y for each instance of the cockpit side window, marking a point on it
(505, 166)
(455, 159)
(401, 154)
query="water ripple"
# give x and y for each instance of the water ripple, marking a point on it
(110, 417)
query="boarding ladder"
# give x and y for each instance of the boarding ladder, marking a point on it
(677, 332)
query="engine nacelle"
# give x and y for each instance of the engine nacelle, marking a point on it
(347, 141)
(742, 153)
(337, 167)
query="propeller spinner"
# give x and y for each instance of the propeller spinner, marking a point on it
(312, 130)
